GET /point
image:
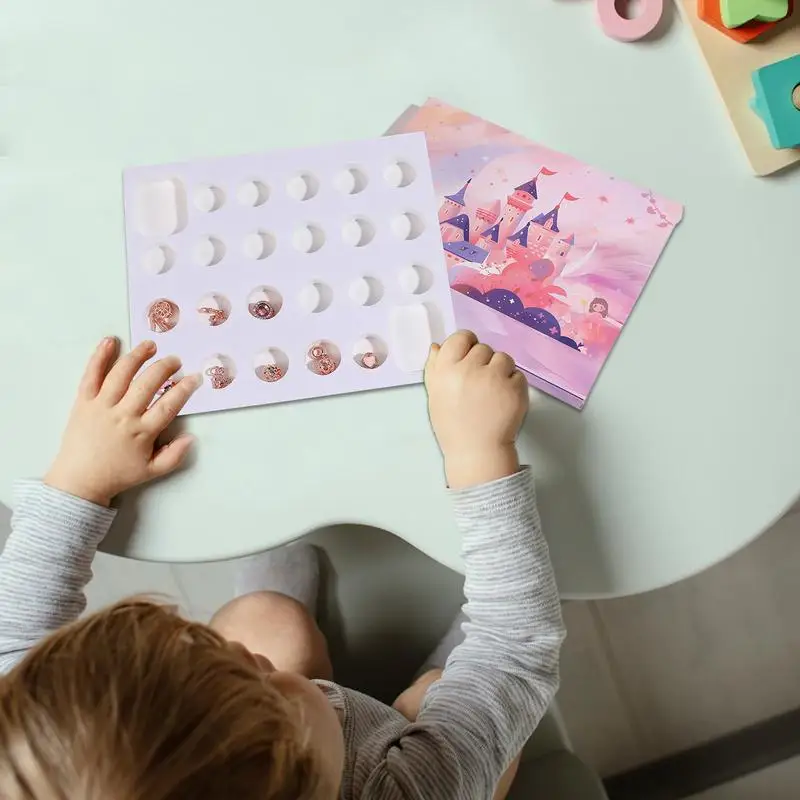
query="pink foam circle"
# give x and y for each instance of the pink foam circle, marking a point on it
(629, 30)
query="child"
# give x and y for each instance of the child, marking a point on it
(135, 703)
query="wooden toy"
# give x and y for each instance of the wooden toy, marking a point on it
(629, 30)
(740, 12)
(731, 67)
(710, 12)
(777, 101)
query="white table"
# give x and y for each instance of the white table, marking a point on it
(688, 447)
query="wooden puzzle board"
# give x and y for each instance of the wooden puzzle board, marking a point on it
(731, 66)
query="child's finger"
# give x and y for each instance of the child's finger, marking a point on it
(119, 378)
(534, 395)
(169, 457)
(520, 382)
(503, 363)
(142, 390)
(167, 407)
(480, 354)
(431, 360)
(457, 345)
(97, 368)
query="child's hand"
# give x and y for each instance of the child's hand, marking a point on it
(109, 443)
(477, 400)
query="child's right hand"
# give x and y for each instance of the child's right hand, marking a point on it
(109, 442)
(477, 401)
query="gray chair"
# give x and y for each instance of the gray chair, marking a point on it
(386, 605)
(558, 776)
(550, 771)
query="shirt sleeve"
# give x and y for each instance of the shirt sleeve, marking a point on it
(45, 565)
(499, 682)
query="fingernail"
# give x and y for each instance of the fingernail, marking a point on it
(195, 379)
(107, 341)
(149, 344)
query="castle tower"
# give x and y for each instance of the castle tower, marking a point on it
(455, 229)
(558, 252)
(489, 239)
(521, 201)
(485, 218)
(521, 236)
(544, 230)
(518, 204)
(542, 234)
(453, 204)
(549, 221)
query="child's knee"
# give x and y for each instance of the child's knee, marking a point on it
(409, 702)
(278, 627)
(261, 608)
(428, 678)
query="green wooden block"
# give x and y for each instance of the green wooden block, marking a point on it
(775, 99)
(736, 13)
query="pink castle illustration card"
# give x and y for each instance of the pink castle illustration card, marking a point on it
(546, 255)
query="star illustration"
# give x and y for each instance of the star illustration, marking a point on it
(553, 331)
(630, 220)
(603, 198)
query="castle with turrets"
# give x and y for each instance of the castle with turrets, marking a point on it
(491, 239)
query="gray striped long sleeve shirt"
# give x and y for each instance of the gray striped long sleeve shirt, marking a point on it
(473, 722)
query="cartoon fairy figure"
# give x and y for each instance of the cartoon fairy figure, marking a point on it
(598, 330)
(599, 306)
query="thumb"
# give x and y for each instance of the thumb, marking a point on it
(169, 457)
(431, 360)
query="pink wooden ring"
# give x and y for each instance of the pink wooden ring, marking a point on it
(629, 30)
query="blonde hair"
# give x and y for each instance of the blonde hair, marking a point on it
(136, 703)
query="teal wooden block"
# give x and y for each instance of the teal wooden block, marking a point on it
(777, 92)
(736, 13)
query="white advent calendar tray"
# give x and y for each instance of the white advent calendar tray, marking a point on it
(291, 274)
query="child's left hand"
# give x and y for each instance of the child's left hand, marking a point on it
(109, 443)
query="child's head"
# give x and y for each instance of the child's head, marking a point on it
(135, 703)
